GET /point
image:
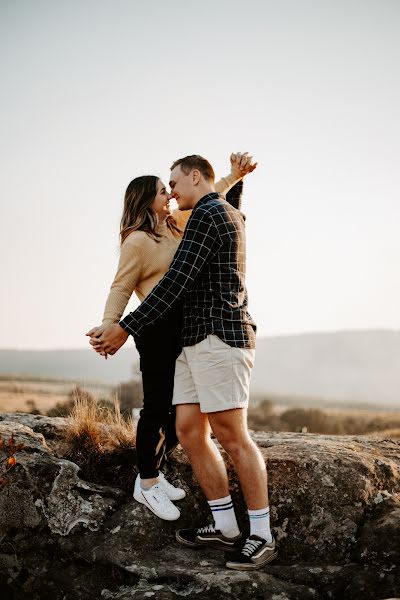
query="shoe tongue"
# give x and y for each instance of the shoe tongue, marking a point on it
(256, 538)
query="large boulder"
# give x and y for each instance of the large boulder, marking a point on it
(335, 512)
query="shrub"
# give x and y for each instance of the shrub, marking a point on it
(66, 407)
(101, 441)
(8, 462)
(130, 395)
(99, 425)
(314, 419)
(32, 407)
(263, 417)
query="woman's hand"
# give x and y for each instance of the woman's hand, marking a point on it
(94, 334)
(111, 340)
(241, 164)
(96, 331)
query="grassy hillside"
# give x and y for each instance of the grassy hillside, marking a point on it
(349, 367)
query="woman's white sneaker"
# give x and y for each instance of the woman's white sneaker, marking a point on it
(173, 493)
(156, 500)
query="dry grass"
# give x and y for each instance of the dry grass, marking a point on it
(385, 433)
(267, 417)
(97, 427)
(101, 441)
(30, 394)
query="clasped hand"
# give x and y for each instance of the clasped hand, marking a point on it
(107, 339)
(242, 164)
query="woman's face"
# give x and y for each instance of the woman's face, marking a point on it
(160, 203)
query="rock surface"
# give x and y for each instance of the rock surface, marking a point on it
(335, 512)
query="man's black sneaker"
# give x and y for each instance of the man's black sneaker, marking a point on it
(208, 537)
(255, 553)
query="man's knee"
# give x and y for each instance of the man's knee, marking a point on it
(188, 435)
(234, 442)
(230, 429)
(231, 445)
(190, 427)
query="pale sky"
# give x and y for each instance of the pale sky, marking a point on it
(95, 93)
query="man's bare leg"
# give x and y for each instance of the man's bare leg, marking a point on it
(230, 429)
(193, 430)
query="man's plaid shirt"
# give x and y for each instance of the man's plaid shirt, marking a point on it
(208, 274)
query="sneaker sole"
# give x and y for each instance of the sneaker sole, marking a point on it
(142, 500)
(196, 545)
(186, 543)
(251, 566)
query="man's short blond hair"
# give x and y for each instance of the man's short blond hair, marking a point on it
(195, 161)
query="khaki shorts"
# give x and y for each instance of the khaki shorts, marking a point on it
(214, 375)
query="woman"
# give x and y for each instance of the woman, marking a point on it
(149, 237)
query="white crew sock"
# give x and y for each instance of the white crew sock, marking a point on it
(224, 516)
(146, 488)
(259, 523)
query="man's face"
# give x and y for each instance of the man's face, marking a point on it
(182, 187)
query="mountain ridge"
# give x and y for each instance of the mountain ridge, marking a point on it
(347, 366)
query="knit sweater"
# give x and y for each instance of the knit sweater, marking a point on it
(144, 261)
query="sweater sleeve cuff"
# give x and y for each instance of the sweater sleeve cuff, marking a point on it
(109, 321)
(224, 185)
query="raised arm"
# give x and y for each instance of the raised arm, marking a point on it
(241, 165)
(234, 196)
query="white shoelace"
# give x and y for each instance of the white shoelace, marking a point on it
(161, 495)
(250, 546)
(166, 483)
(207, 529)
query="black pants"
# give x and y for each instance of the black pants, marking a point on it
(159, 346)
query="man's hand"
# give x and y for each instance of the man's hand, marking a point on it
(242, 164)
(110, 341)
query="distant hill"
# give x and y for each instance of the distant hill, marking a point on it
(70, 364)
(347, 366)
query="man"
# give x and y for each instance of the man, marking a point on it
(212, 376)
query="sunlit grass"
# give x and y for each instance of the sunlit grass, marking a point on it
(98, 427)
(386, 433)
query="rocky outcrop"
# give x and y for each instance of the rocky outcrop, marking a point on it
(335, 510)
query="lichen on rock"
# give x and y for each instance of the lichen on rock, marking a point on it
(335, 512)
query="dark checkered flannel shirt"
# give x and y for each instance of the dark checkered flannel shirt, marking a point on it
(208, 273)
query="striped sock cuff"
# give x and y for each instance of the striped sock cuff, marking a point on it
(261, 513)
(226, 506)
(221, 504)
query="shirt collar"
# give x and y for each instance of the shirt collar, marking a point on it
(204, 199)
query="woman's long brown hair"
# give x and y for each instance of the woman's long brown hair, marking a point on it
(138, 214)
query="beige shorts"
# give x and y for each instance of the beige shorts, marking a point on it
(214, 375)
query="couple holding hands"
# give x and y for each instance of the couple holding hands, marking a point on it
(196, 342)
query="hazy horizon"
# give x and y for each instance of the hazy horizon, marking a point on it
(95, 94)
(130, 342)
(350, 367)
